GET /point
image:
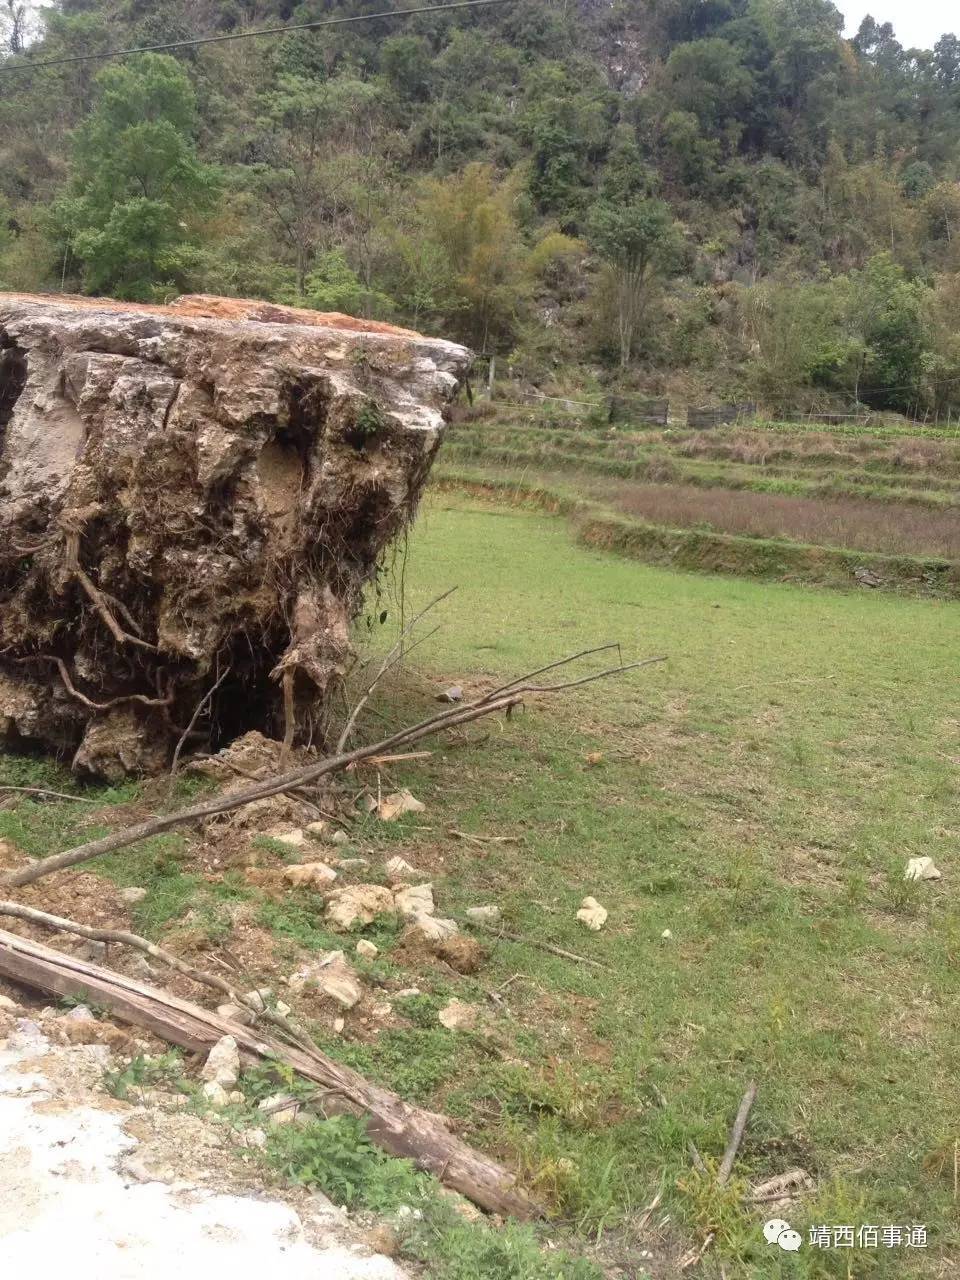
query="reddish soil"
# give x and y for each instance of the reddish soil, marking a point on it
(204, 306)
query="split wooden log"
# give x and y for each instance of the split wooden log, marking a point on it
(401, 1129)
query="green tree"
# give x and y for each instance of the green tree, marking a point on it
(137, 182)
(640, 243)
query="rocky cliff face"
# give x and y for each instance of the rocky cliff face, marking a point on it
(190, 494)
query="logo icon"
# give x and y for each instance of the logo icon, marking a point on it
(777, 1231)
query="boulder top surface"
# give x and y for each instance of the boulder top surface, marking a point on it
(204, 306)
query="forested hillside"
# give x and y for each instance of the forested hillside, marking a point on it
(724, 193)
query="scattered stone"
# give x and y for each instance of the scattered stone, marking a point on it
(79, 1013)
(465, 955)
(140, 967)
(216, 1094)
(593, 758)
(8, 1006)
(383, 1239)
(333, 975)
(340, 837)
(666, 935)
(282, 1108)
(284, 1010)
(417, 900)
(317, 830)
(592, 914)
(922, 869)
(133, 895)
(292, 839)
(391, 807)
(366, 803)
(223, 1063)
(456, 1015)
(484, 915)
(453, 694)
(399, 869)
(236, 1013)
(381, 1011)
(92, 951)
(407, 992)
(353, 864)
(256, 1139)
(358, 904)
(367, 949)
(338, 1025)
(430, 929)
(310, 875)
(867, 578)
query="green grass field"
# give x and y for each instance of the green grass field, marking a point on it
(757, 795)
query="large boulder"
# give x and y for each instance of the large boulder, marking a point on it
(189, 491)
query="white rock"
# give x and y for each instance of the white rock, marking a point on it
(340, 837)
(216, 1094)
(666, 935)
(484, 915)
(367, 949)
(399, 869)
(334, 976)
(431, 929)
(592, 914)
(456, 1015)
(92, 951)
(284, 1010)
(309, 875)
(338, 1025)
(223, 1063)
(416, 900)
(254, 1138)
(79, 1013)
(8, 1006)
(281, 1107)
(358, 904)
(382, 1011)
(407, 992)
(452, 694)
(921, 869)
(391, 807)
(316, 829)
(292, 839)
(133, 895)
(353, 864)
(236, 1013)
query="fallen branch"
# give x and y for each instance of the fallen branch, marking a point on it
(401, 1129)
(736, 1134)
(44, 791)
(535, 942)
(391, 658)
(463, 714)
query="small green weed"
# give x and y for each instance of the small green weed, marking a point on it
(144, 1071)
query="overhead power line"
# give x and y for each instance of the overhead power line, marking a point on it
(28, 65)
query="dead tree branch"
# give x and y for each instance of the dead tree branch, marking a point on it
(391, 658)
(736, 1134)
(463, 714)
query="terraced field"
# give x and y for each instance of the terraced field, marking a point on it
(772, 492)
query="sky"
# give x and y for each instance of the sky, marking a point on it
(917, 23)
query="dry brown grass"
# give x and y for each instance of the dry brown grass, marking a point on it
(864, 525)
(761, 448)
